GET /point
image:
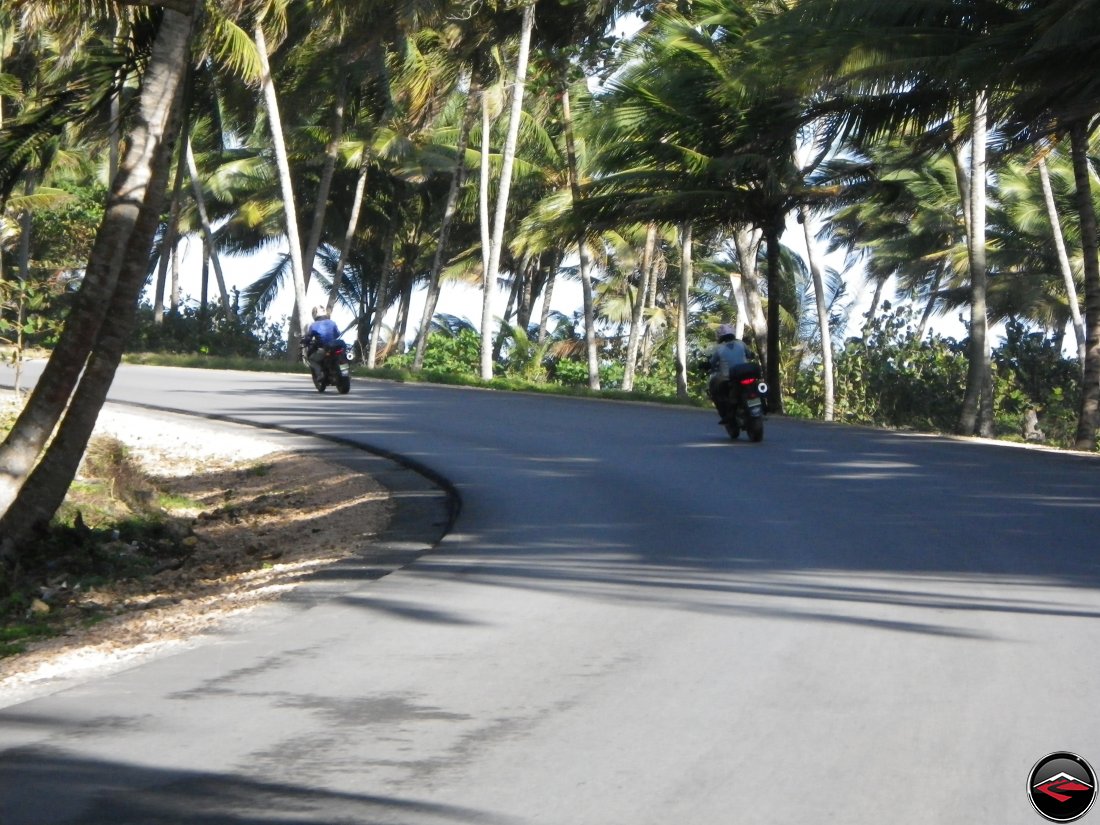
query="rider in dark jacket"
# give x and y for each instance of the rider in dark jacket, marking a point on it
(728, 354)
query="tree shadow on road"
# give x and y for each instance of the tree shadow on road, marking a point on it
(40, 786)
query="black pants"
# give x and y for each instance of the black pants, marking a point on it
(316, 357)
(719, 389)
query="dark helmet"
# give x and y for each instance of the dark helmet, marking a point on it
(319, 312)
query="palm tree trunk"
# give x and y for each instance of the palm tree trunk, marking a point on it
(934, 290)
(737, 295)
(114, 136)
(822, 314)
(507, 162)
(204, 287)
(457, 179)
(585, 264)
(637, 310)
(531, 276)
(509, 308)
(113, 280)
(401, 326)
(977, 410)
(382, 299)
(286, 186)
(547, 297)
(775, 391)
(682, 310)
(1089, 415)
(121, 243)
(349, 236)
(168, 242)
(324, 186)
(656, 271)
(872, 311)
(1063, 260)
(174, 281)
(483, 226)
(26, 231)
(207, 229)
(747, 243)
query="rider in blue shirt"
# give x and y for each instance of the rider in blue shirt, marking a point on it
(320, 335)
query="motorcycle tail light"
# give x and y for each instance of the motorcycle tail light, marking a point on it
(747, 381)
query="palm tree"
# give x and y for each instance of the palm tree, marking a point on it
(1058, 93)
(695, 128)
(508, 157)
(940, 78)
(75, 381)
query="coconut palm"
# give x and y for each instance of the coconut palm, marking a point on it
(75, 381)
(694, 128)
(1057, 93)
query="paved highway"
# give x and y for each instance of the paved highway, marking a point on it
(632, 621)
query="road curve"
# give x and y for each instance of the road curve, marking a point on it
(632, 621)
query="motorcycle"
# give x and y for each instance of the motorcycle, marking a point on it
(335, 366)
(745, 402)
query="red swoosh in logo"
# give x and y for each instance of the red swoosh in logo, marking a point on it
(1061, 789)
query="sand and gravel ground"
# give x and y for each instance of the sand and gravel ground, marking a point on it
(259, 519)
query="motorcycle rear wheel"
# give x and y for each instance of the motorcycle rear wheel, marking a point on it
(343, 384)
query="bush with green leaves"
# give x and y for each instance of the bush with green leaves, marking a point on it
(452, 354)
(191, 332)
(890, 377)
(30, 314)
(62, 234)
(1031, 374)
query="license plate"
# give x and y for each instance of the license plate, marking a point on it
(754, 402)
(343, 369)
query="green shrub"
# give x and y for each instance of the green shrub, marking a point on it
(191, 332)
(892, 378)
(449, 354)
(1031, 374)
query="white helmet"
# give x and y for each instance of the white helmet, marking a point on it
(319, 312)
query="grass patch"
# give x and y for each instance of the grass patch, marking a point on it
(14, 638)
(260, 470)
(215, 362)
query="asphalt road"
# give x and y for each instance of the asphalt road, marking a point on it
(632, 621)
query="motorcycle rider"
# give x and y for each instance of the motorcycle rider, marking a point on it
(728, 354)
(320, 335)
